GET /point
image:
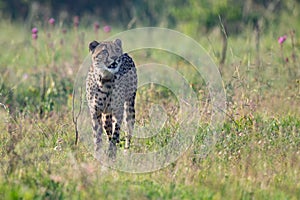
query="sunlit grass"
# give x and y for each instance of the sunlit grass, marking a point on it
(256, 155)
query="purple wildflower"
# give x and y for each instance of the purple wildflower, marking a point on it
(51, 21)
(34, 30)
(34, 36)
(282, 39)
(106, 29)
(76, 21)
(96, 26)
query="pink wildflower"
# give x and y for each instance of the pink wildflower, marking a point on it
(282, 39)
(106, 29)
(96, 26)
(51, 21)
(25, 76)
(34, 36)
(34, 33)
(76, 21)
(34, 30)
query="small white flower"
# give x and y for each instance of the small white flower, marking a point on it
(57, 148)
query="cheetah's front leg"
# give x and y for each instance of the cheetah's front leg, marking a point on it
(97, 132)
(108, 126)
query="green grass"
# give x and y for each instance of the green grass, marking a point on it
(256, 156)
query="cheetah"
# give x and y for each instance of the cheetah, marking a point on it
(111, 87)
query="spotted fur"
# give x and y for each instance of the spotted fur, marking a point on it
(110, 91)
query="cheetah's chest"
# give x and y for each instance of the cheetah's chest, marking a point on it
(102, 100)
(108, 95)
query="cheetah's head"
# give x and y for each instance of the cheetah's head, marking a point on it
(104, 54)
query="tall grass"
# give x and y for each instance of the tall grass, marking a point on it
(256, 156)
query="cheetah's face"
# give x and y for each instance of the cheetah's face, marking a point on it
(104, 54)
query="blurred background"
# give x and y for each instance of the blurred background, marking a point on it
(254, 19)
(254, 43)
(193, 16)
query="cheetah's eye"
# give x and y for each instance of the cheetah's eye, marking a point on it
(118, 50)
(104, 52)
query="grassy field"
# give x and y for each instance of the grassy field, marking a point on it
(257, 155)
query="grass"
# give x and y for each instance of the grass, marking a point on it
(257, 155)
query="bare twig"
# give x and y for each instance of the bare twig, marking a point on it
(224, 39)
(4, 106)
(75, 117)
(41, 129)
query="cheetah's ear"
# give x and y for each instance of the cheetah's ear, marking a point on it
(93, 45)
(118, 42)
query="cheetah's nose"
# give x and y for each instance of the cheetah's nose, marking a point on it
(114, 57)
